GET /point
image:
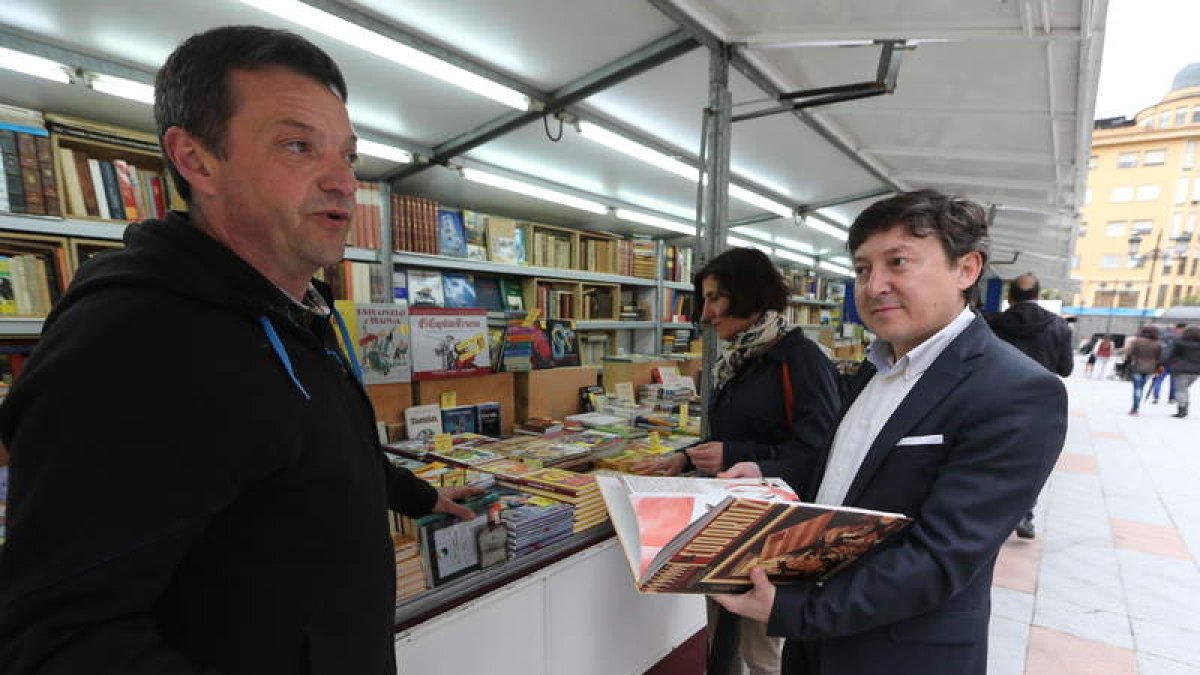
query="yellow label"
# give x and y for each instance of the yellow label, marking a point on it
(683, 415)
(655, 443)
(532, 315)
(442, 442)
(449, 399)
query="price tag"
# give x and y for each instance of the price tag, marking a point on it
(683, 416)
(656, 446)
(532, 315)
(449, 399)
(442, 442)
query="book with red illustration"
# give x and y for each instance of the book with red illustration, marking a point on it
(704, 535)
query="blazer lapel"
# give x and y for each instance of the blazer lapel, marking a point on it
(935, 384)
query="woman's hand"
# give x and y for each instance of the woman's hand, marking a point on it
(742, 470)
(708, 457)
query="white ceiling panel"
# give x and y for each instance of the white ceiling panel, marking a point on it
(545, 43)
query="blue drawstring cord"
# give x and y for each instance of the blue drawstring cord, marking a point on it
(341, 323)
(277, 345)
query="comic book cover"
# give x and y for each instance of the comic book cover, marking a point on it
(380, 336)
(448, 342)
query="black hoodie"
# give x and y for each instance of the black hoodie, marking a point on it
(196, 484)
(1042, 336)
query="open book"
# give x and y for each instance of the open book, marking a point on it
(704, 535)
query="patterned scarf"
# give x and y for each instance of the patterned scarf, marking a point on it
(751, 342)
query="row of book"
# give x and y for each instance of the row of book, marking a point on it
(26, 164)
(115, 189)
(367, 222)
(31, 275)
(423, 422)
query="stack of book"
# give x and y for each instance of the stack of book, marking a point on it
(578, 490)
(410, 575)
(536, 524)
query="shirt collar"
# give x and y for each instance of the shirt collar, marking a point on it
(918, 359)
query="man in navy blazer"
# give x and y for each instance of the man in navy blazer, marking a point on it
(945, 423)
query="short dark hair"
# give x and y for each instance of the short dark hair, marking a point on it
(747, 274)
(193, 90)
(1018, 294)
(960, 225)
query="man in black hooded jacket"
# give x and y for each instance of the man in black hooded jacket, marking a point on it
(196, 484)
(1041, 335)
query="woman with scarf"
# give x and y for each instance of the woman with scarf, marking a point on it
(776, 397)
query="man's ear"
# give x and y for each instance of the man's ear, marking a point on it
(970, 266)
(193, 161)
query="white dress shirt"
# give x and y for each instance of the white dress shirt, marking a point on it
(876, 404)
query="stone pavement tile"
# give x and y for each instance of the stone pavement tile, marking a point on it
(1157, 665)
(1177, 644)
(1161, 540)
(1075, 510)
(1124, 503)
(1017, 564)
(1079, 617)
(1055, 653)
(1007, 642)
(1077, 463)
(1110, 435)
(1161, 590)
(1012, 605)
(1087, 581)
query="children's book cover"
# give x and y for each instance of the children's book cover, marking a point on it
(564, 342)
(423, 422)
(379, 334)
(475, 228)
(487, 294)
(452, 240)
(425, 288)
(458, 289)
(449, 342)
(458, 420)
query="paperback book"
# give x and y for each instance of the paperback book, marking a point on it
(379, 337)
(704, 535)
(425, 288)
(449, 342)
(458, 290)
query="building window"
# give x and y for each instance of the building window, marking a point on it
(1181, 117)
(1195, 261)
(1181, 190)
(1143, 226)
(1115, 228)
(1087, 196)
(1083, 228)
(1196, 190)
(1155, 158)
(1074, 262)
(1092, 161)
(1127, 160)
(1125, 193)
(1164, 120)
(1162, 296)
(1148, 193)
(1196, 115)
(1189, 151)
(1191, 226)
(1112, 262)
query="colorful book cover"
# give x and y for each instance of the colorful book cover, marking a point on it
(475, 229)
(564, 342)
(425, 288)
(458, 420)
(449, 342)
(695, 535)
(512, 294)
(458, 290)
(502, 240)
(400, 286)
(542, 355)
(423, 422)
(380, 335)
(451, 239)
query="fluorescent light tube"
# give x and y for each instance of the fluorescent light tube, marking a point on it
(382, 151)
(760, 201)
(751, 232)
(746, 243)
(794, 257)
(795, 245)
(34, 65)
(655, 221)
(535, 191)
(841, 260)
(374, 43)
(119, 86)
(598, 134)
(838, 269)
(822, 226)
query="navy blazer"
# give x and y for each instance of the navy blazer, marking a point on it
(988, 425)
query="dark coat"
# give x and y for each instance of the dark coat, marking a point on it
(989, 425)
(1185, 356)
(749, 416)
(1041, 335)
(180, 503)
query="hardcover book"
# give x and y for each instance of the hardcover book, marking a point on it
(458, 420)
(449, 342)
(458, 290)
(698, 535)
(513, 295)
(487, 294)
(487, 419)
(451, 239)
(502, 240)
(475, 228)
(379, 333)
(425, 288)
(564, 342)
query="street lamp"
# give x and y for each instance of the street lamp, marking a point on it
(1135, 242)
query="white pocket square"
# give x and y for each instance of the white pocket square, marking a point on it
(934, 439)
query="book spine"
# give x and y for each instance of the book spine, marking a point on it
(31, 175)
(73, 191)
(112, 190)
(126, 188)
(99, 192)
(12, 171)
(49, 184)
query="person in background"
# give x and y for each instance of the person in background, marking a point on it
(775, 398)
(196, 481)
(1164, 371)
(1103, 352)
(1142, 357)
(1185, 366)
(947, 424)
(1043, 336)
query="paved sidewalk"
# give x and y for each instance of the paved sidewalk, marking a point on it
(1111, 584)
